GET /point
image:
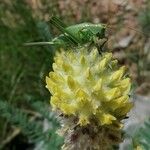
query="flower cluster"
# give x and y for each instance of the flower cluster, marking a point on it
(89, 87)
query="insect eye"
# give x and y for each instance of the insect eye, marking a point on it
(98, 34)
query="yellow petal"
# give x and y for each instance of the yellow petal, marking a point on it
(124, 110)
(67, 67)
(81, 94)
(88, 74)
(94, 54)
(102, 64)
(98, 86)
(108, 56)
(50, 85)
(125, 85)
(119, 102)
(106, 119)
(56, 77)
(58, 61)
(112, 94)
(83, 120)
(71, 83)
(82, 60)
(68, 108)
(55, 101)
(117, 75)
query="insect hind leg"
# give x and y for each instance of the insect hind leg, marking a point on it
(99, 43)
(38, 43)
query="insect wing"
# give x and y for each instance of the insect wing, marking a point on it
(60, 25)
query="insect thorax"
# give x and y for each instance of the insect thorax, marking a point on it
(85, 32)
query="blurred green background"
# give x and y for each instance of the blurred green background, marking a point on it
(26, 120)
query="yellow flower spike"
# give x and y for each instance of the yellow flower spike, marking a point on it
(71, 83)
(116, 125)
(55, 67)
(68, 110)
(88, 73)
(58, 61)
(98, 86)
(94, 54)
(82, 60)
(82, 103)
(55, 102)
(64, 95)
(83, 120)
(50, 85)
(124, 110)
(66, 67)
(113, 93)
(55, 77)
(72, 56)
(108, 56)
(82, 90)
(105, 119)
(102, 64)
(81, 94)
(119, 102)
(117, 75)
(125, 85)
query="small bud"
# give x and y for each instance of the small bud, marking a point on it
(71, 83)
(117, 75)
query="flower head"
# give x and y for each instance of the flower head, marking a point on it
(89, 87)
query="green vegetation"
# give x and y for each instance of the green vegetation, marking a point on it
(24, 100)
(23, 71)
(142, 135)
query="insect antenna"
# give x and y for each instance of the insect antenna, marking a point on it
(131, 28)
(108, 25)
(138, 31)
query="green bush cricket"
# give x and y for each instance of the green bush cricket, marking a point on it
(77, 35)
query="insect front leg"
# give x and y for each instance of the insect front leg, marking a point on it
(103, 41)
(99, 43)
